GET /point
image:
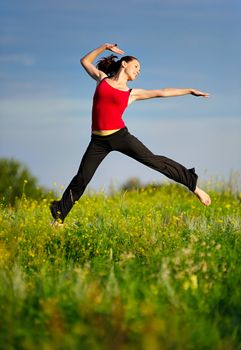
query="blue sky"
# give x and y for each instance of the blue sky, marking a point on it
(45, 95)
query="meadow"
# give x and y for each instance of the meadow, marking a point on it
(148, 269)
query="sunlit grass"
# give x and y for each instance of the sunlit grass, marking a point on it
(147, 269)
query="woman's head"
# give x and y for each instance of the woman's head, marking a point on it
(110, 65)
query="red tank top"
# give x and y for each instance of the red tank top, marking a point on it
(108, 106)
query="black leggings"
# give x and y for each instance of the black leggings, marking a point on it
(128, 144)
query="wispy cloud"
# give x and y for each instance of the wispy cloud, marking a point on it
(22, 59)
(42, 110)
(45, 99)
(7, 40)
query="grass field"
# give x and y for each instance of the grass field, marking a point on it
(150, 269)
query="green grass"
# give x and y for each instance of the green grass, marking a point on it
(149, 270)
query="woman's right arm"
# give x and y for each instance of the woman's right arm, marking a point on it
(87, 60)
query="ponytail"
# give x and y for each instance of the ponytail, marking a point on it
(110, 66)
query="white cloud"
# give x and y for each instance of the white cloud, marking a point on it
(7, 40)
(50, 136)
(44, 108)
(211, 146)
(37, 128)
(23, 59)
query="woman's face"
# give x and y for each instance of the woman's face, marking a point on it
(132, 69)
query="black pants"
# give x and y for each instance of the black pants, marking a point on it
(126, 143)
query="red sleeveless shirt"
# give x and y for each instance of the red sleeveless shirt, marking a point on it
(109, 104)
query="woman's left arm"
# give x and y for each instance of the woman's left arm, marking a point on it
(141, 94)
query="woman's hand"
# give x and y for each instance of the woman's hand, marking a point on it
(87, 60)
(114, 48)
(199, 93)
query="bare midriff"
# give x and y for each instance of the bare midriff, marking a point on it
(104, 132)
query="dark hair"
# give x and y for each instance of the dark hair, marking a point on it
(110, 66)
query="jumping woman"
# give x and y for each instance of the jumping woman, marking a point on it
(109, 132)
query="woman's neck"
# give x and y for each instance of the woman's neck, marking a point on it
(119, 80)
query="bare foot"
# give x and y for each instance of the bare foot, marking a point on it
(202, 196)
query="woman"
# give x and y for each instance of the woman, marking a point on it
(109, 133)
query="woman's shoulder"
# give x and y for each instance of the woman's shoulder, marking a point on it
(102, 77)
